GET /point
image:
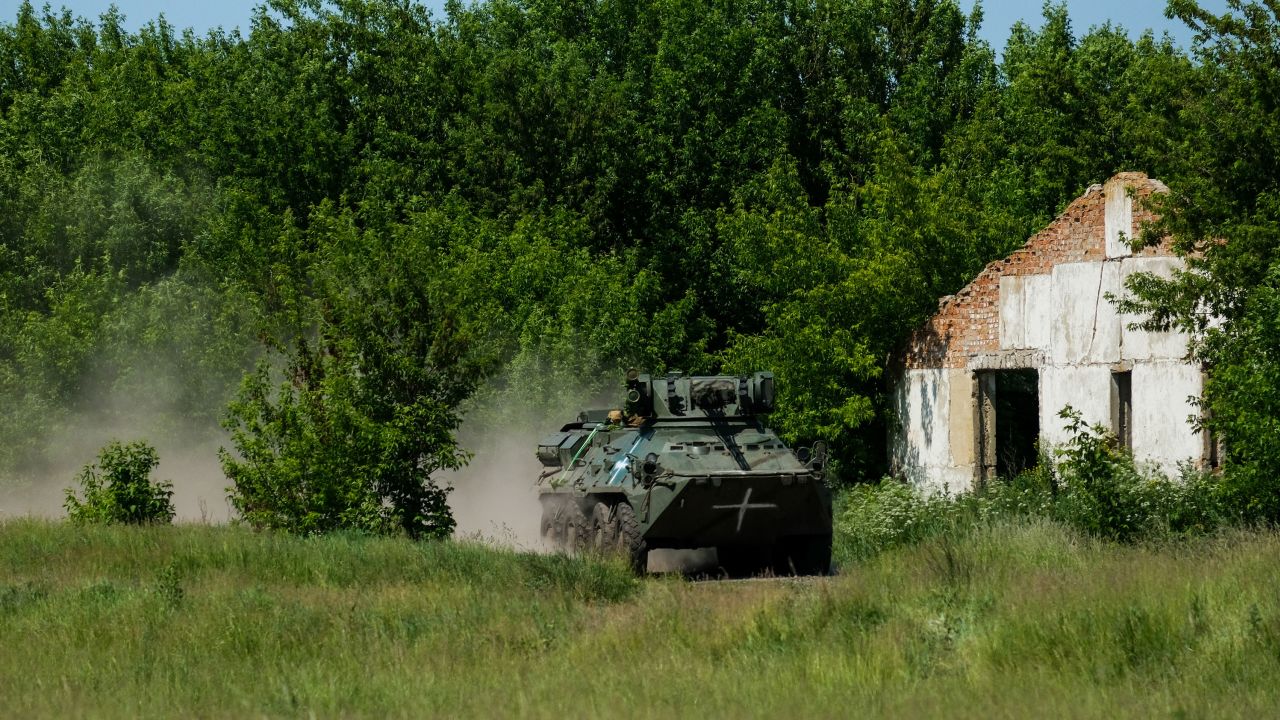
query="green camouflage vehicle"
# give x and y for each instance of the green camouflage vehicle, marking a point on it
(688, 463)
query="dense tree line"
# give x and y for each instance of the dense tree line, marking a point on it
(367, 213)
(1224, 216)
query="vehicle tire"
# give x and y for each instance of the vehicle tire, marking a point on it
(551, 535)
(576, 529)
(630, 541)
(604, 530)
(804, 555)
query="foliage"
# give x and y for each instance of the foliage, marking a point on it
(1098, 488)
(563, 190)
(1243, 399)
(1224, 218)
(371, 404)
(118, 488)
(874, 518)
(1103, 492)
(1090, 485)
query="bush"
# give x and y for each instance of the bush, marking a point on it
(369, 407)
(1030, 493)
(875, 518)
(119, 489)
(1091, 485)
(312, 457)
(1103, 492)
(1195, 503)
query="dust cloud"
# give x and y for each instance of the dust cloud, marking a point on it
(188, 459)
(495, 497)
(151, 408)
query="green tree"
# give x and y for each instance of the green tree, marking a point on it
(370, 403)
(674, 184)
(1224, 218)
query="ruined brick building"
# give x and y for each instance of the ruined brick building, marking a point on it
(984, 379)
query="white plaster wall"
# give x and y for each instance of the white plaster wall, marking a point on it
(1143, 345)
(1084, 325)
(1038, 305)
(1075, 306)
(1013, 315)
(947, 480)
(1108, 329)
(1117, 219)
(1086, 388)
(922, 405)
(922, 449)
(1162, 432)
(1026, 303)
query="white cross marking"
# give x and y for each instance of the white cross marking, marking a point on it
(744, 506)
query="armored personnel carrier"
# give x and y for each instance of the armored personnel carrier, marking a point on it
(687, 462)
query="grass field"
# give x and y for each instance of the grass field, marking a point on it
(1012, 621)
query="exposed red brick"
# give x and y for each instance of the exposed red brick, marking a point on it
(968, 323)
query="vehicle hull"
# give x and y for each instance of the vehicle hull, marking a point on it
(698, 470)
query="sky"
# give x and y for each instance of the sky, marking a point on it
(1134, 15)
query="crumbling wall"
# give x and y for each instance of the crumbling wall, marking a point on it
(933, 440)
(1045, 307)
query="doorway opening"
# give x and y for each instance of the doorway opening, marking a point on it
(1008, 422)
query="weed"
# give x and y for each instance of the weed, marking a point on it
(949, 563)
(875, 518)
(14, 598)
(169, 587)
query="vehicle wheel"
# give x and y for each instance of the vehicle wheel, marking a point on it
(576, 529)
(739, 561)
(604, 529)
(804, 555)
(551, 535)
(629, 539)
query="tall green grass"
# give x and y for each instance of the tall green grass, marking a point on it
(1023, 618)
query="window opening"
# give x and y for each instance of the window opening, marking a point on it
(1215, 450)
(1122, 408)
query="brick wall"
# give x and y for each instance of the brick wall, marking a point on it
(968, 323)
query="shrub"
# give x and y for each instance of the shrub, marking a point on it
(1091, 485)
(369, 408)
(119, 489)
(875, 518)
(1195, 503)
(1030, 493)
(1104, 492)
(313, 457)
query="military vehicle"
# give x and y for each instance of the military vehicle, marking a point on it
(687, 462)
